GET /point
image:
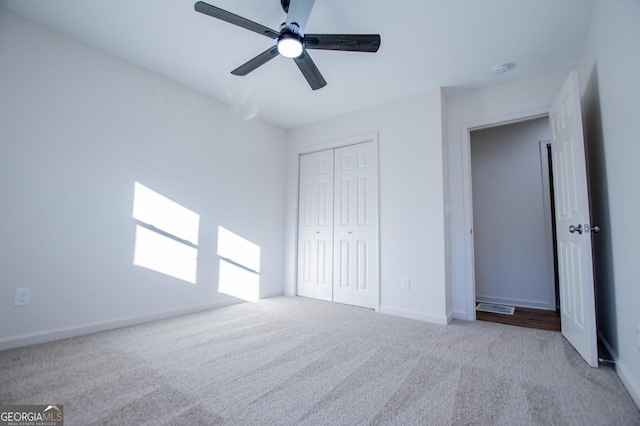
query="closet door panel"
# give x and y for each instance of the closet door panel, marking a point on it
(356, 231)
(315, 226)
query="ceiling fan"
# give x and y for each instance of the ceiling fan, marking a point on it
(292, 42)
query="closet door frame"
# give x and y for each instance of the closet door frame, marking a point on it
(340, 143)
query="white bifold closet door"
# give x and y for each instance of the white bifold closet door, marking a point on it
(315, 226)
(341, 265)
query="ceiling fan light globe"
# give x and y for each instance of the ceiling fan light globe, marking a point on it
(289, 47)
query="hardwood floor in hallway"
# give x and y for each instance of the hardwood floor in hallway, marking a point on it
(525, 317)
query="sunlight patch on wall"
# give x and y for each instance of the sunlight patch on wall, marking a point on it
(238, 250)
(162, 213)
(165, 255)
(239, 266)
(166, 235)
(238, 282)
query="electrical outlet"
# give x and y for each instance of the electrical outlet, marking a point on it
(23, 296)
(405, 283)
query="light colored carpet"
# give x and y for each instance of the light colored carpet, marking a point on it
(299, 361)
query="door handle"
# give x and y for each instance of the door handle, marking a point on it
(577, 229)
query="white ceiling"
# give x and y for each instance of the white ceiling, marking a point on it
(425, 44)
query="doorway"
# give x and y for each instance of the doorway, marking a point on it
(514, 262)
(573, 222)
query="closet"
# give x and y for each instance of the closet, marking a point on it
(338, 225)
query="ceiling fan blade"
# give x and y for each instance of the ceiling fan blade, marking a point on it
(346, 42)
(259, 60)
(310, 71)
(299, 11)
(229, 17)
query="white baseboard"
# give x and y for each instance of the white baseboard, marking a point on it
(74, 331)
(629, 382)
(272, 294)
(461, 315)
(523, 303)
(421, 316)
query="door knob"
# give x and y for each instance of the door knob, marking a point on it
(595, 229)
(577, 229)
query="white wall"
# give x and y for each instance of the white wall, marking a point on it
(78, 128)
(610, 76)
(513, 248)
(411, 199)
(497, 104)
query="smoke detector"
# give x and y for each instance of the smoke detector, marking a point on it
(500, 69)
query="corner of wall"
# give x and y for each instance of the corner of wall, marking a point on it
(446, 206)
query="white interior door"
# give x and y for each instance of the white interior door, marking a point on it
(575, 263)
(315, 229)
(355, 250)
